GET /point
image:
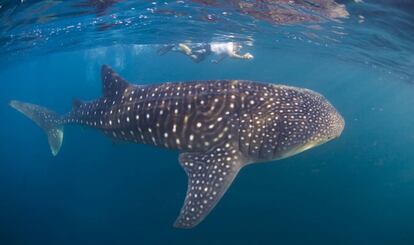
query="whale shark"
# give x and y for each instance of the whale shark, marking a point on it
(218, 126)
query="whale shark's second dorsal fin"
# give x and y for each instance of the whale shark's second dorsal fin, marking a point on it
(76, 103)
(112, 83)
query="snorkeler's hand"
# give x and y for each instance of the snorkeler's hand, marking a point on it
(248, 56)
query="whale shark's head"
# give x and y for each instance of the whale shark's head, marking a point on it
(306, 120)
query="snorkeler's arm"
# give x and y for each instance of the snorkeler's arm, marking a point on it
(185, 49)
(246, 56)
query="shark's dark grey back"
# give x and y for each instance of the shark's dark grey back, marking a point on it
(191, 116)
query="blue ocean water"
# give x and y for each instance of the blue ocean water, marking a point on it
(357, 189)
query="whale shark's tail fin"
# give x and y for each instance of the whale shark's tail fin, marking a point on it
(48, 120)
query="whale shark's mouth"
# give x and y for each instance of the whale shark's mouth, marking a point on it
(307, 146)
(302, 148)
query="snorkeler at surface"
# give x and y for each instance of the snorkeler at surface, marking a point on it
(199, 52)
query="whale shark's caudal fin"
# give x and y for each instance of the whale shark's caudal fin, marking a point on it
(48, 120)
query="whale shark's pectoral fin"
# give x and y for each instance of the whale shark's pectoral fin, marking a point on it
(209, 175)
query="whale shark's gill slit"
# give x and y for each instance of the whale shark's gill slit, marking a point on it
(209, 176)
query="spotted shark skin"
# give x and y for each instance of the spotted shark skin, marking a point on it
(218, 126)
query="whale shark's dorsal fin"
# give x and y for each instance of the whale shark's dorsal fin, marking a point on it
(112, 83)
(209, 176)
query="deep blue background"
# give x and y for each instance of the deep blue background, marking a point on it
(358, 189)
